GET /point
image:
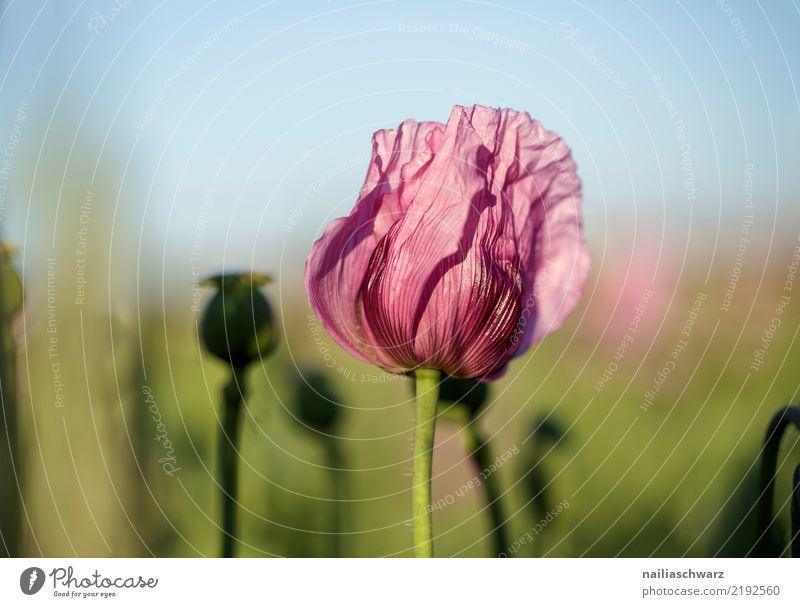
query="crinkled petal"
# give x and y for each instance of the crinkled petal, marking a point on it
(465, 246)
(336, 266)
(443, 289)
(534, 171)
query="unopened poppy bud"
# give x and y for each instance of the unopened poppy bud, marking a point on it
(468, 393)
(237, 324)
(317, 406)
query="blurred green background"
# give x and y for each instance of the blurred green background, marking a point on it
(143, 151)
(675, 479)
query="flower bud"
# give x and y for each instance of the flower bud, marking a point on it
(316, 404)
(237, 324)
(467, 393)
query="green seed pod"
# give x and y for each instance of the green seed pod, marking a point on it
(316, 404)
(11, 291)
(468, 394)
(237, 324)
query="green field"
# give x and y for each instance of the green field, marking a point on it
(123, 460)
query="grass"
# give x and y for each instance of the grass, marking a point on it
(675, 478)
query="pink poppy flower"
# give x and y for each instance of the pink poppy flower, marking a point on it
(465, 246)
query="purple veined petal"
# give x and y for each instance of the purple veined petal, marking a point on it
(465, 246)
(559, 267)
(444, 287)
(534, 171)
(338, 260)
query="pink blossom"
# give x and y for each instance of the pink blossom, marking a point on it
(465, 246)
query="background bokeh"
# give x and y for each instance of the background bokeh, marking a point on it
(147, 145)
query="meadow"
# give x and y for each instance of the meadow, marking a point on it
(635, 430)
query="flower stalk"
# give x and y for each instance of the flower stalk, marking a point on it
(338, 489)
(426, 402)
(319, 410)
(11, 297)
(237, 328)
(480, 454)
(789, 415)
(796, 513)
(232, 401)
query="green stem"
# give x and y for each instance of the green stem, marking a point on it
(795, 510)
(232, 399)
(10, 505)
(338, 490)
(788, 415)
(427, 397)
(479, 451)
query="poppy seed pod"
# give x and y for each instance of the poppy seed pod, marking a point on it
(468, 393)
(317, 406)
(237, 324)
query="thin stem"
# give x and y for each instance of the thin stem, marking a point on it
(338, 492)
(769, 462)
(10, 506)
(232, 398)
(796, 513)
(427, 398)
(479, 451)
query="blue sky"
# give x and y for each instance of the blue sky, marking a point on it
(270, 106)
